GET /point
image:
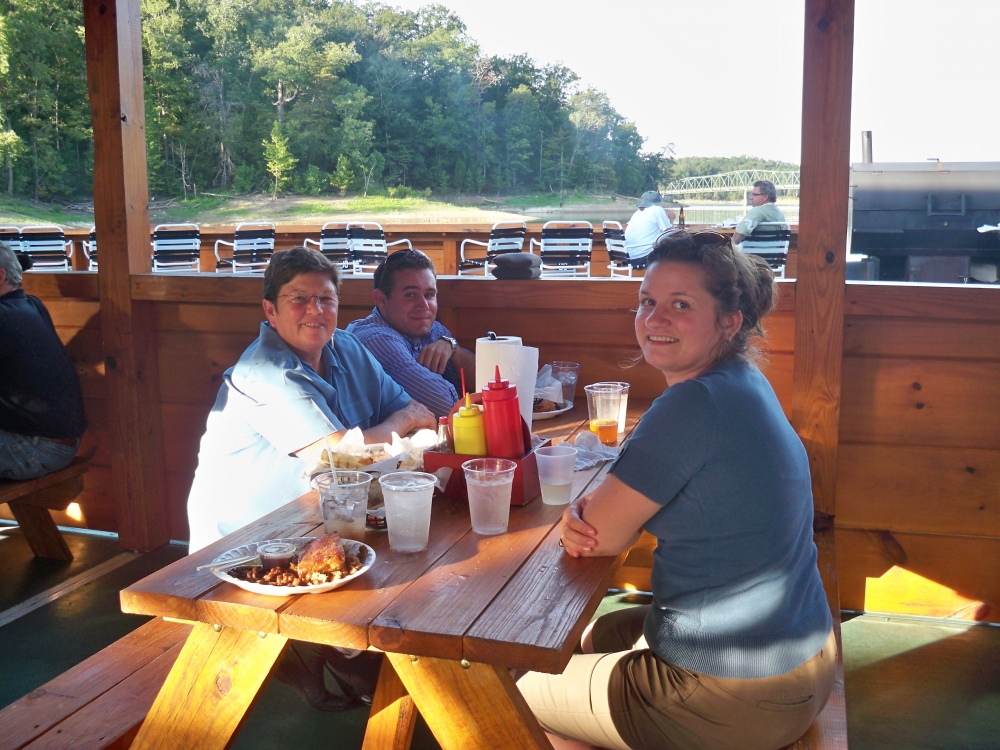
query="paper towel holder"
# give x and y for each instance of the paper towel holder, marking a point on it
(492, 336)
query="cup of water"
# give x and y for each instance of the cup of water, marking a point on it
(567, 373)
(343, 501)
(555, 473)
(489, 481)
(408, 497)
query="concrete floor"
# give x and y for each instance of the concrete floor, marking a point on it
(911, 683)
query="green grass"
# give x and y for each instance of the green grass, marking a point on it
(22, 213)
(383, 203)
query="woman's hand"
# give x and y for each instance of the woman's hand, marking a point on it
(577, 534)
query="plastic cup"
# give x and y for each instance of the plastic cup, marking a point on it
(343, 501)
(408, 497)
(489, 481)
(567, 373)
(623, 408)
(555, 473)
(604, 404)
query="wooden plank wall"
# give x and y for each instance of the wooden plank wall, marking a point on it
(918, 477)
(918, 480)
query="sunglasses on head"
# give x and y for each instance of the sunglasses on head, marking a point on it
(707, 238)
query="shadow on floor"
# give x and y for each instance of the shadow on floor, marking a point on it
(921, 685)
(22, 575)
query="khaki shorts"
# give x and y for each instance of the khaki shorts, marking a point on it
(627, 698)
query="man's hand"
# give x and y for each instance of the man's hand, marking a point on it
(435, 357)
(738, 238)
(413, 416)
(577, 534)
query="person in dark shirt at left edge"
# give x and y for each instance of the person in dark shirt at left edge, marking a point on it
(41, 405)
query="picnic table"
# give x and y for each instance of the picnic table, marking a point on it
(452, 621)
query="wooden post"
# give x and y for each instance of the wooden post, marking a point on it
(121, 214)
(819, 290)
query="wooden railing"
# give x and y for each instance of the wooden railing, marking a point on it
(441, 242)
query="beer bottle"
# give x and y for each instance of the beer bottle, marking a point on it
(680, 217)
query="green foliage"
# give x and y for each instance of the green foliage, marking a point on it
(402, 191)
(279, 159)
(245, 179)
(313, 182)
(365, 97)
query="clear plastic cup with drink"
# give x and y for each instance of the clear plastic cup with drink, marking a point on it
(343, 501)
(489, 482)
(408, 509)
(623, 406)
(567, 373)
(555, 473)
(604, 404)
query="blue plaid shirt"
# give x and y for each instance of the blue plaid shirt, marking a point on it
(398, 356)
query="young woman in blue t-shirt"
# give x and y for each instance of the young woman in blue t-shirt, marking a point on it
(737, 648)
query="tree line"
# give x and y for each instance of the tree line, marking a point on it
(310, 97)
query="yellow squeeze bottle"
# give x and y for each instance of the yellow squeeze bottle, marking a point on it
(469, 430)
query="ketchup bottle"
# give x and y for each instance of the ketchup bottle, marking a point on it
(503, 419)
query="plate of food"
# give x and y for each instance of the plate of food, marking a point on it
(543, 409)
(312, 565)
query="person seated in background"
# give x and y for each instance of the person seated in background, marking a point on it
(737, 649)
(647, 223)
(405, 336)
(41, 404)
(763, 198)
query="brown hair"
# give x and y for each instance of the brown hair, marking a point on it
(738, 282)
(384, 278)
(285, 265)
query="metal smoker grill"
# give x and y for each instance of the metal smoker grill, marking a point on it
(921, 220)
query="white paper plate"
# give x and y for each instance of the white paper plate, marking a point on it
(364, 553)
(549, 414)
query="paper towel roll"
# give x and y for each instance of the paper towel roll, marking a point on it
(518, 364)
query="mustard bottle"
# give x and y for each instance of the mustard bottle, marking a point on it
(469, 430)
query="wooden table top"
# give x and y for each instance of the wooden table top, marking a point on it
(514, 600)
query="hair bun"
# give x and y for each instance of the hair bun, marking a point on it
(25, 261)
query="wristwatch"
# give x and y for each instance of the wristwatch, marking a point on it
(452, 341)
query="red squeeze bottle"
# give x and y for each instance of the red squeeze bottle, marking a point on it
(502, 415)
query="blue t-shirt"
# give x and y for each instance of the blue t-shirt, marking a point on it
(735, 585)
(271, 403)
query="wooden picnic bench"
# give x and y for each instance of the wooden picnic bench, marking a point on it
(100, 702)
(31, 500)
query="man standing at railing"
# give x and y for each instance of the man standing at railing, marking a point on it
(763, 198)
(41, 404)
(404, 335)
(647, 223)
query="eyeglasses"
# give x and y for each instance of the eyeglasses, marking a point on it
(757, 195)
(301, 300)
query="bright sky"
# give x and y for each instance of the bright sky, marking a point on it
(926, 74)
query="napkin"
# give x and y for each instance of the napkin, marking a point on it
(547, 387)
(518, 364)
(590, 451)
